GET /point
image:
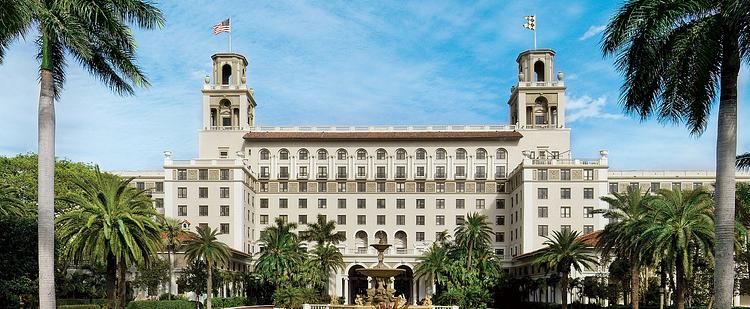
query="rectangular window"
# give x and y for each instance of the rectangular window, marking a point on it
(263, 187)
(181, 174)
(565, 228)
(440, 172)
(381, 187)
(283, 187)
(159, 202)
(676, 186)
(420, 220)
(322, 203)
(460, 203)
(543, 230)
(439, 220)
(159, 187)
(499, 237)
(264, 203)
(480, 187)
(420, 187)
(480, 172)
(565, 212)
(302, 172)
(224, 192)
(400, 220)
(440, 203)
(420, 203)
(224, 174)
(460, 171)
(588, 212)
(263, 219)
(182, 210)
(500, 172)
(420, 236)
(565, 193)
(588, 229)
(302, 203)
(460, 187)
(400, 171)
(655, 186)
(361, 203)
(302, 219)
(322, 186)
(500, 187)
(182, 192)
(224, 228)
(302, 186)
(613, 187)
(480, 203)
(542, 174)
(440, 187)
(420, 171)
(140, 185)
(565, 174)
(203, 192)
(588, 174)
(588, 193)
(460, 219)
(203, 210)
(361, 187)
(381, 203)
(361, 171)
(697, 185)
(499, 220)
(341, 219)
(542, 193)
(202, 174)
(361, 219)
(341, 203)
(341, 187)
(224, 210)
(543, 212)
(499, 203)
(381, 219)
(400, 187)
(264, 172)
(283, 203)
(380, 172)
(400, 203)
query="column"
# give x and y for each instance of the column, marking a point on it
(345, 289)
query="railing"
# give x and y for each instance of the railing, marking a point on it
(439, 175)
(565, 162)
(223, 128)
(420, 176)
(389, 251)
(302, 176)
(322, 175)
(542, 84)
(383, 128)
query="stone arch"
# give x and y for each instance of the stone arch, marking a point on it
(361, 154)
(322, 154)
(404, 282)
(440, 154)
(226, 74)
(381, 237)
(357, 283)
(421, 154)
(361, 241)
(401, 154)
(283, 154)
(539, 71)
(265, 154)
(341, 154)
(303, 153)
(401, 242)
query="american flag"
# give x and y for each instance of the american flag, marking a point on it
(222, 27)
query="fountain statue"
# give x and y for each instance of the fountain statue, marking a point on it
(380, 294)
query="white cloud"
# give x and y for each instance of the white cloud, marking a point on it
(587, 107)
(593, 30)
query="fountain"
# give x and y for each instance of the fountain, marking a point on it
(380, 295)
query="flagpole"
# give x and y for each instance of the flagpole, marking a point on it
(535, 38)
(230, 34)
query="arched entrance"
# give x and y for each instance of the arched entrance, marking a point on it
(403, 283)
(357, 283)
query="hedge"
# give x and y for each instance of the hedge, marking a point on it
(536, 305)
(80, 301)
(161, 304)
(83, 306)
(228, 302)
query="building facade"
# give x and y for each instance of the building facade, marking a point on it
(403, 184)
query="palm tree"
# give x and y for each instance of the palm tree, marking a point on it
(322, 232)
(475, 232)
(174, 233)
(10, 205)
(205, 246)
(681, 225)
(96, 35)
(111, 222)
(433, 264)
(282, 252)
(565, 250)
(676, 56)
(329, 259)
(622, 236)
(743, 161)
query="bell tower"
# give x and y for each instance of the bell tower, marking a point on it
(228, 104)
(538, 100)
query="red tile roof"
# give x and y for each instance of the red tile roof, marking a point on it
(384, 135)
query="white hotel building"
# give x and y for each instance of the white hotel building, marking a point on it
(404, 183)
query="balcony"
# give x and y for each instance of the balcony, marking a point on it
(480, 175)
(380, 176)
(439, 175)
(322, 175)
(341, 175)
(283, 175)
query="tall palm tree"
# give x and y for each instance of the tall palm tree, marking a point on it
(329, 259)
(205, 246)
(433, 264)
(681, 225)
(743, 161)
(10, 205)
(322, 231)
(111, 222)
(676, 56)
(475, 232)
(97, 35)
(174, 233)
(563, 251)
(282, 252)
(622, 236)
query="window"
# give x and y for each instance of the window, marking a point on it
(499, 220)
(322, 171)
(381, 203)
(588, 193)
(588, 212)
(224, 210)
(676, 186)
(302, 219)
(420, 203)
(283, 187)
(263, 219)
(499, 237)
(500, 187)
(341, 187)
(400, 220)
(182, 192)
(400, 203)
(302, 203)
(460, 203)
(565, 228)
(361, 154)
(361, 219)
(283, 203)
(159, 187)
(159, 202)
(480, 172)
(480, 203)
(440, 220)
(440, 154)
(420, 220)
(420, 171)
(633, 185)
(440, 172)
(499, 203)
(697, 185)
(588, 229)
(481, 154)
(655, 186)
(460, 187)
(400, 154)
(264, 203)
(224, 228)
(264, 171)
(181, 174)
(565, 193)
(265, 154)
(460, 154)
(613, 187)
(565, 174)
(302, 187)
(202, 174)
(420, 187)
(322, 187)
(440, 187)
(400, 187)
(420, 236)
(322, 154)
(543, 212)
(380, 154)
(480, 187)
(361, 171)
(341, 219)
(542, 174)
(460, 171)
(440, 203)
(501, 154)
(223, 174)
(565, 212)
(588, 174)
(542, 193)
(203, 210)
(203, 192)
(361, 187)
(182, 210)
(303, 154)
(341, 172)
(400, 171)
(322, 203)
(380, 219)
(381, 187)
(341, 154)
(543, 230)
(460, 219)
(361, 203)
(500, 172)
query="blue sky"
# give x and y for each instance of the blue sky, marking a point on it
(354, 62)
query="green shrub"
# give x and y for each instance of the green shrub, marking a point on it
(80, 301)
(82, 306)
(228, 302)
(161, 304)
(165, 296)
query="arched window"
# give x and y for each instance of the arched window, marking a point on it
(440, 154)
(361, 154)
(381, 154)
(539, 71)
(481, 154)
(460, 154)
(381, 237)
(360, 242)
(401, 242)
(304, 154)
(322, 154)
(265, 154)
(501, 154)
(540, 110)
(283, 154)
(400, 154)
(341, 154)
(421, 154)
(226, 74)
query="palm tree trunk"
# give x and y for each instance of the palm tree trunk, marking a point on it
(635, 284)
(468, 261)
(680, 290)
(171, 274)
(726, 150)
(121, 289)
(111, 281)
(564, 284)
(208, 284)
(46, 180)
